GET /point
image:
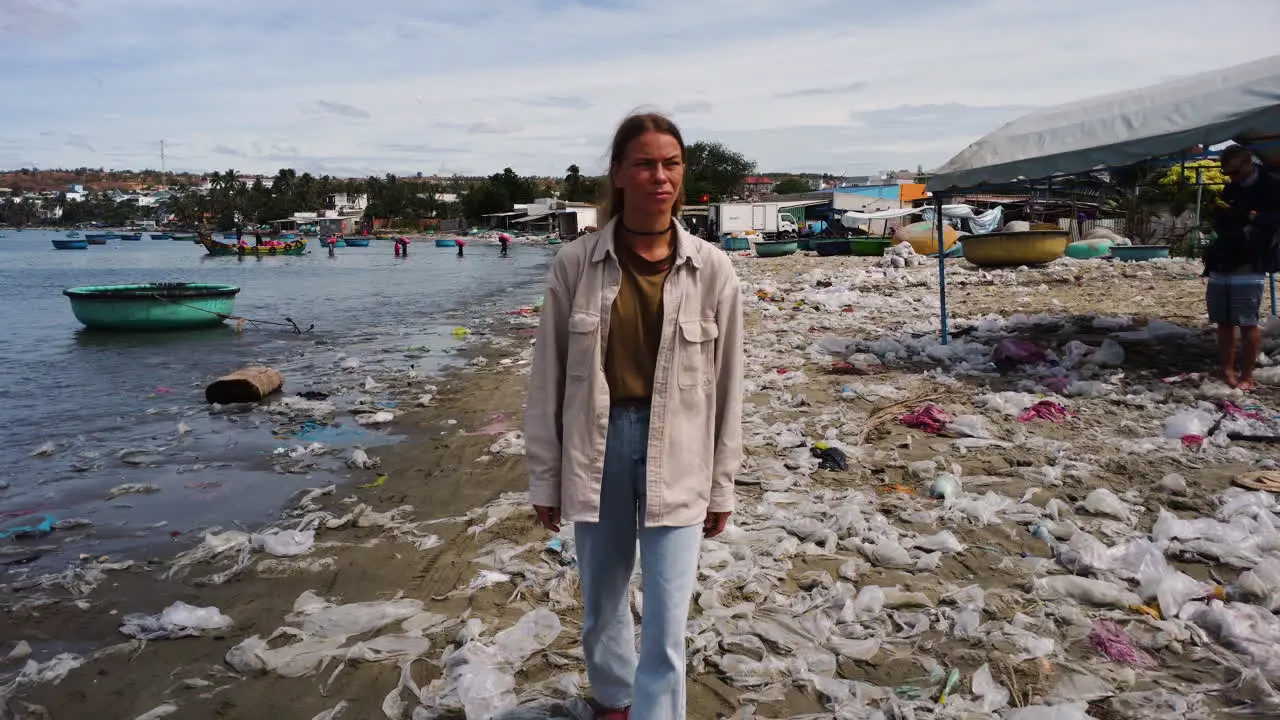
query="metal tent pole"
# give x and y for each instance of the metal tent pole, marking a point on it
(942, 270)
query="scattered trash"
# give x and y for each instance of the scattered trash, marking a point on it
(132, 489)
(252, 384)
(381, 417)
(377, 482)
(930, 418)
(360, 460)
(46, 449)
(1111, 640)
(1045, 410)
(176, 621)
(829, 458)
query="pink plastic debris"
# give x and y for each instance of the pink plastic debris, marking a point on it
(1193, 440)
(1234, 410)
(1045, 410)
(1016, 351)
(1113, 641)
(930, 418)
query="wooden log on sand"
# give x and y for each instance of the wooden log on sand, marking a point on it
(252, 384)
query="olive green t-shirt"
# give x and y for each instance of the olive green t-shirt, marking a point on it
(635, 326)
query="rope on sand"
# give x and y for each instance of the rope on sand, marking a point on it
(240, 321)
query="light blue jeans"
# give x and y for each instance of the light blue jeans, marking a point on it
(653, 685)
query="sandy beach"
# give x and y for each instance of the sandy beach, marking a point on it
(1035, 518)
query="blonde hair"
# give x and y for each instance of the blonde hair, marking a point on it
(630, 129)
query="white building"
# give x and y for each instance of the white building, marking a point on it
(344, 205)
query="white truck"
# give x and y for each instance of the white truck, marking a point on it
(766, 218)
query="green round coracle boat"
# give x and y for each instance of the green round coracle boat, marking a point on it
(153, 306)
(776, 248)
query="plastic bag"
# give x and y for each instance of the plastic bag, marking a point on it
(176, 621)
(322, 619)
(1102, 501)
(1111, 354)
(285, 543)
(1188, 422)
(992, 696)
(1085, 590)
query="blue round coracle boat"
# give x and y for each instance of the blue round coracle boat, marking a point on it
(152, 306)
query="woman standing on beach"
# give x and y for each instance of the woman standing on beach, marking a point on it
(633, 422)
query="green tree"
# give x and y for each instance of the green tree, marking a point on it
(714, 170)
(792, 186)
(578, 188)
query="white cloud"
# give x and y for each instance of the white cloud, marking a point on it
(424, 85)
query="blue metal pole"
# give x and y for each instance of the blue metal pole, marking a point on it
(1273, 294)
(942, 271)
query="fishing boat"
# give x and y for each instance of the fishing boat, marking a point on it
(297, 247)
(776, 248)
(152, 306)
(160, 236)
(1027, 247)
(868, 246)
(830, 247)
(735, 243)
(357, 242)
(70, 243)
(100, 238)
(446, 242)
(74, 234)
(287, 236)
(184, 237)
(130, 236)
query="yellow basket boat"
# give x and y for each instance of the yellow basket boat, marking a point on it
(1028, 247)
(923, 237)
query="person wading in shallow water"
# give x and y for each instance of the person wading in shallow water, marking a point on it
(633, 421)
(1247, 247)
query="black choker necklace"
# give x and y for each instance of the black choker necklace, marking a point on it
(663, 231)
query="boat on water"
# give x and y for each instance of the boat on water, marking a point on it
(184, 237)
(131, 236)
(271, 247)
(446, 242)
(357, 242)
(70, 244)
(74, 234)
(152, 306)
(160, 236)
(100, 238)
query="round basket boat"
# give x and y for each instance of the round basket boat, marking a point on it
(776, 248)
(152, 306)
(923, 237)
(869, 247)
(1028, 247)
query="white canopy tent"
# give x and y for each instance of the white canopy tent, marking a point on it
(1123, 128)
(1120, 129)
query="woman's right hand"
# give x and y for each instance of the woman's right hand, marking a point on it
(548, 517)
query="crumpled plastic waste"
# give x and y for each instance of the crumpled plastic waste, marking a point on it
(930, 418)
(176, 621)
(1111, 640)
(1045, 410)
(1011, 352)
(829, 457)
(284, 543)
(381, 417)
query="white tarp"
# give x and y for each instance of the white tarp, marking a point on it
(978, 223)
(1123, 128)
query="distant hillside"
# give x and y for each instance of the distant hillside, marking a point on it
(27, 180)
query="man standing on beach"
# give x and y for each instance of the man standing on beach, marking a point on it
(1247, 247)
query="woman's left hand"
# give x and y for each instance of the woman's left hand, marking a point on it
(714, 524)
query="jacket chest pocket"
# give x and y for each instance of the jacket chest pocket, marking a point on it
(697, 352)
(584, 343)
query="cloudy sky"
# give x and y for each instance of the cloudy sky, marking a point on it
(350, 87)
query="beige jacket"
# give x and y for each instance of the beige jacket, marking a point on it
(695, 433)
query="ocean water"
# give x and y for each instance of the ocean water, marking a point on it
(108, 405)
